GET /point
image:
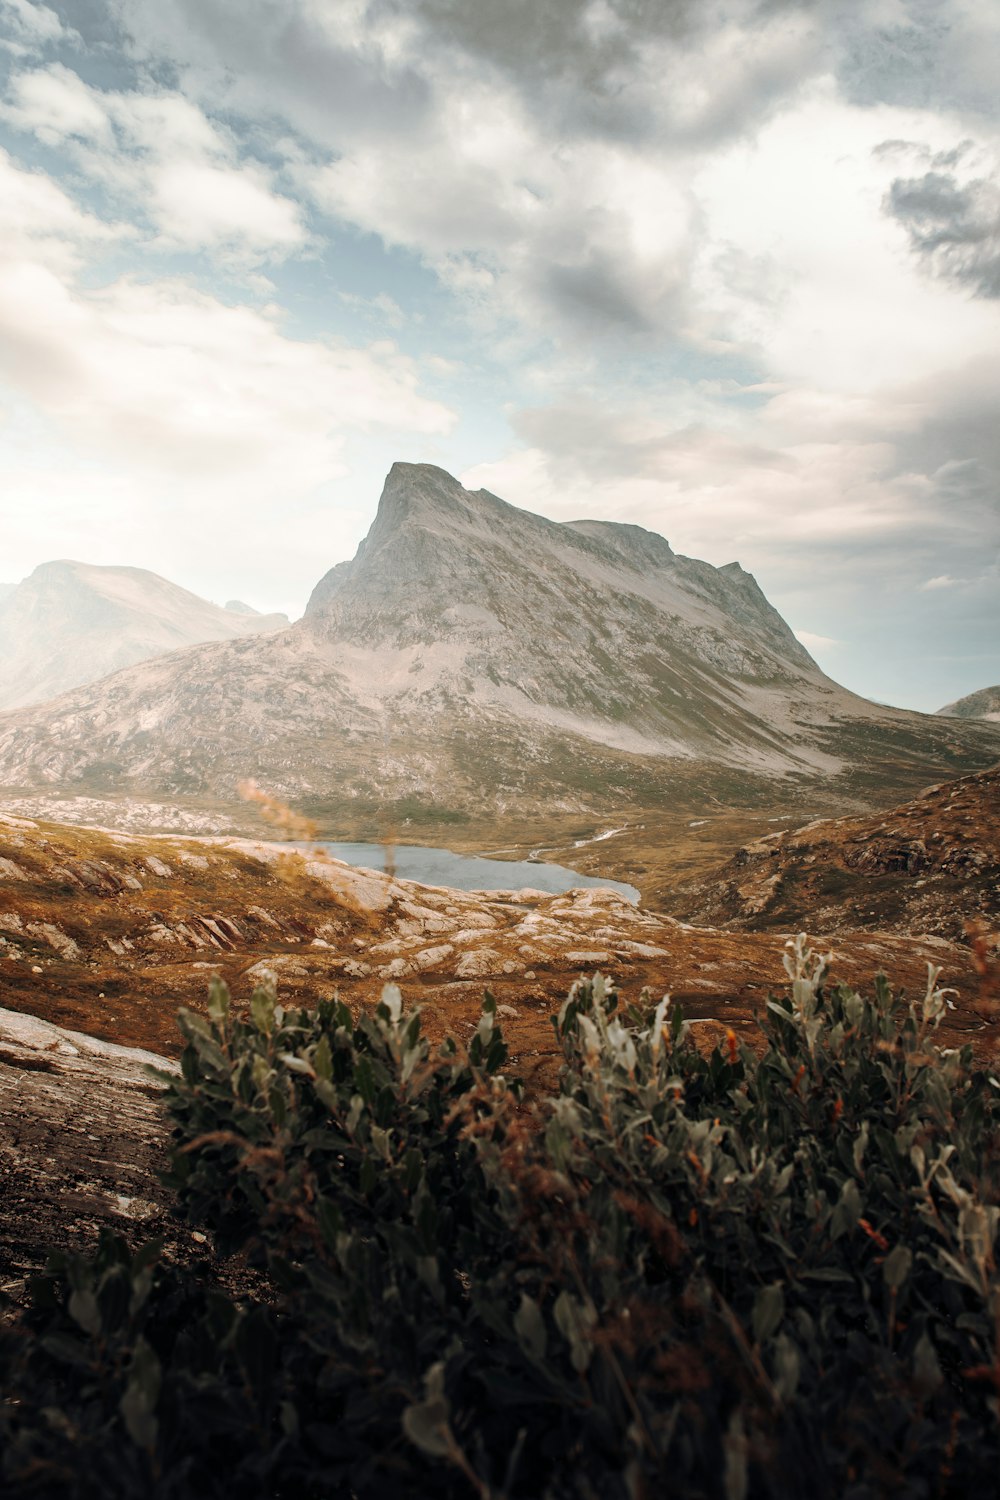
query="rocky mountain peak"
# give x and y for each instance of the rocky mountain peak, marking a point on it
(472, 653)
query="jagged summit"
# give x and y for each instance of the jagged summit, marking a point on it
(473, 654)
(435, 548)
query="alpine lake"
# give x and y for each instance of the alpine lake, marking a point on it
(471, 872)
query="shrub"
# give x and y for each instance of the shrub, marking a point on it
(722, 1275)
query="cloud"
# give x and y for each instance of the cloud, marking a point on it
(42, 224)
(942, 56)
(30, 23)
(954, 227)
(943, 581)
(813, 642)
(803, 480)
(168, 378)
(160, 155)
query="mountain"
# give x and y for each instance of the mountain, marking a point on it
(929, 866)
(475, 659)
(70, 623)
(982, 705)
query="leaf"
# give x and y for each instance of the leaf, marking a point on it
(574, 1322)
(786, 1367)
(140, 1423)
(860, 1147)
(138, 1404)
(364, 1079)
(735, 1478)
(84, 1311)
(323, 1060)
(768, 1311)
(218, 1000)
(896, 1267)
(426, 1422)
(392, 999)
(262, 1011)
(529, 1325)
(926, 1369)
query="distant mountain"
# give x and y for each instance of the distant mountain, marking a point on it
(477, 660)
(982, 705)
(5, 589)
(70, 623)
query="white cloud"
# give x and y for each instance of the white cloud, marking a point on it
(168, 378)
(165, 378)
(56, 105)
(829, 293)
(42, 223)
(31, 22)
(942, 581)
(900, 476)
(579, 237)
(814, 642)
(165, 161)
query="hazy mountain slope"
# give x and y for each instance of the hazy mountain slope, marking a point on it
(69, 623)
(982, 705)
(474, 654)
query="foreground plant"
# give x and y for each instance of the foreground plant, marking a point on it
(702, 1275)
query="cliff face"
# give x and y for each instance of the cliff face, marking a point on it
(473, 656)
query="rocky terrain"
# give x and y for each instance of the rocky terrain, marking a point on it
(70, 622)
(103, 934)
(108, 933)
(476, 657)
(929, 866)
(982, 705)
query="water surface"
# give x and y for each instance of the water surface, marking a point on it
(473, 872)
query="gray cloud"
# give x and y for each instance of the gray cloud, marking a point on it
(954, 227)
(284, 59)
(932, 54)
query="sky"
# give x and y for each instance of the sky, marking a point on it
(727, 269)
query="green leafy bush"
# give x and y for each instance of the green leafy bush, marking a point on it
(722, 1275)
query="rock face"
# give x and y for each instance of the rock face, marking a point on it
(70, 623)
(81, 1142)
(474, 654)
(982, 705)
(929, 866)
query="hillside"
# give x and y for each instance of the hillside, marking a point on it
(70, 623)
(108, 933)
(475, 659)
(931, 865)
(982, 705)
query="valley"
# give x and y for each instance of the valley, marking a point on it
(669, 733)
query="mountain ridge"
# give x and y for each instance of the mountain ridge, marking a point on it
(69, 623)
(984, 704)
(475, 655)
